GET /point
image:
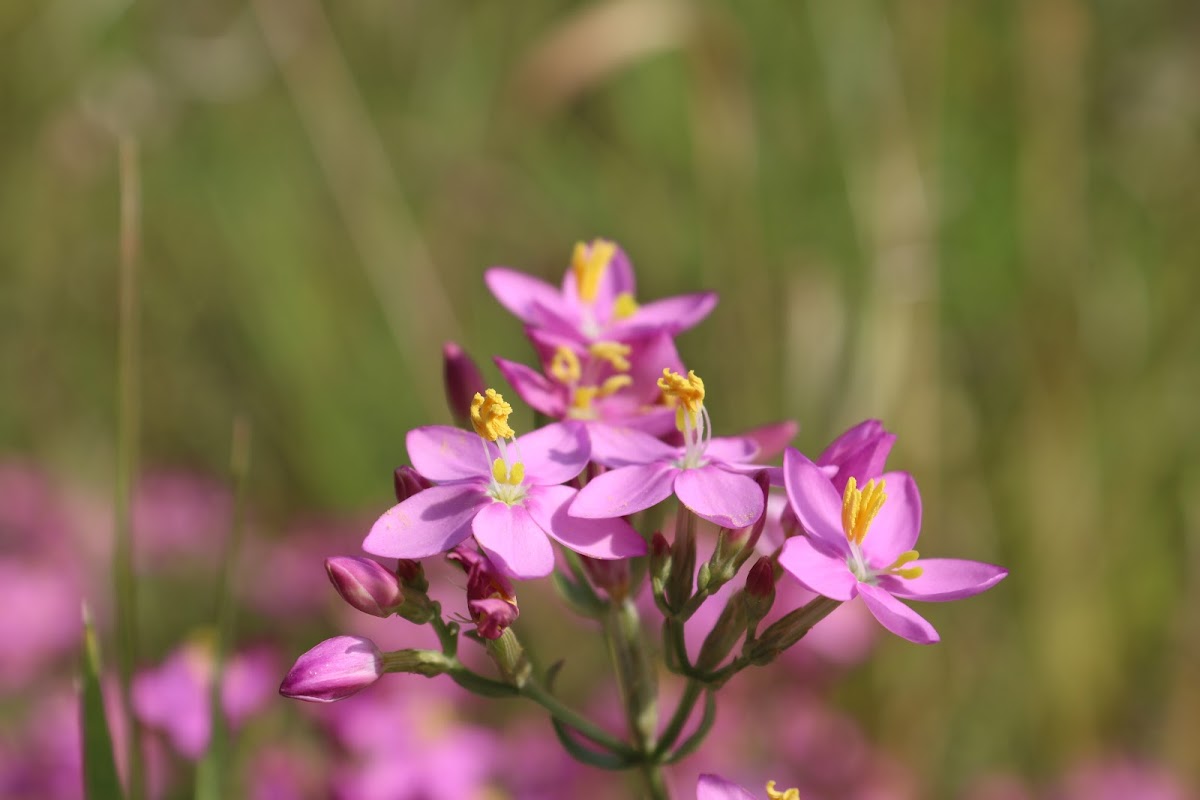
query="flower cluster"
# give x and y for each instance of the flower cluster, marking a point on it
(583, 497)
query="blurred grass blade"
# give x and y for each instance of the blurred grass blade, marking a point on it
(128, 379)
(100, 781)
(213, 770)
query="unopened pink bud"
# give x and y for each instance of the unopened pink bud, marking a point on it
(412, 574)
(407, 482)
(365, 584)
(462, 380)
(609, 574)
(333, 670)
(760, 581)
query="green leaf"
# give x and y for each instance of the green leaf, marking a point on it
(579, 596)
(586, 755)
(100, 780)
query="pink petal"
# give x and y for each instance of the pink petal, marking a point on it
(724, 498)
(534, 388)
(442, 453)
(625, 490)
(598, 538)
(732, 450)
(524, 295)
(772, 439)
(428, 523)
(897, 617)
(945, 579)
(895, 529)
(616, 279)
(714, 787)
(814, 500)
(670, 315)
(621, 447)
(513, 541)
(554, 453)
(817, 569)
(647, 360)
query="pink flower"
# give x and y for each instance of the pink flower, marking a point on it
(714, 787)
(859, 452)
(707, 474)
(839, 560)
(507, 494)
(597, 299)
(334, 670)
(605, 382)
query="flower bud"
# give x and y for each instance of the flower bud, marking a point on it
(860, 452)
(725, 633)
(462, 380)
(760, 591)
(333, 670)
(365, 584)
(609, 574)
(412, 574)
(491, 599)
(407, 482)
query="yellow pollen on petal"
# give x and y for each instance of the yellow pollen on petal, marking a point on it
(900, 566)
(503, 474)
(589, 262)
(614, 353)
(489, 416)
(686, 394)
(859, 507)
(581, 400)
(625, 306)
(775, 794)
(564, 366)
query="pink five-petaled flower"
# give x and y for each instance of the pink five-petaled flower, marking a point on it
(861, 544)
(714, 787)
(507, 494)
(706, 474)
(597, 299)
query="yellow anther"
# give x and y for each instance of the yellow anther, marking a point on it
(614, 353)
(775, 794)
(511, 476)
(687, 394)
(614, 384)
(625, 306)
(564, 366)
(581, 399)
(899, 566)
(588, 262)
(489, 416)
(859, 507)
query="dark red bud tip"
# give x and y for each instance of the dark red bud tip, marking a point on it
(407, 482)
(409, 571)
(611, 575)
(659, 546)
(760, 582)
(462, 380)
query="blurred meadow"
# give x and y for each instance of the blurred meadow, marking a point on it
(974, 221)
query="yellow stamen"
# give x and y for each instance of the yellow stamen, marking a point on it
(489, 416)
(859, 507)
(614, 353)
(625, 306)
(503, 474)
(581, 399)
(614, 384)
(687, 394)
(564, 366)
(775, 794)
(589, 262)
(898, 566)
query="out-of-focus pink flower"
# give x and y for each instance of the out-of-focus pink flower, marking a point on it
(175, 697)
(508, 494)
(279, 773)
(839, 560)
(1119, 779)
(714, 787)
(707, 474)
(41, 621)
(294, 562)
(334, 670)
(179, 515)
(597, 300)
(407, 741)
(601, 383)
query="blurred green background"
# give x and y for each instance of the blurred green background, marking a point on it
(976, 221)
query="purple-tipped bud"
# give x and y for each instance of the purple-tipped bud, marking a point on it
(407, 482)
(790, 522)
(760, 582)
(860, 452)
(609, 574)
(334, 670)
(412, 574)
(660, 553)
(365, 584)
(462, 380)
(491, 598)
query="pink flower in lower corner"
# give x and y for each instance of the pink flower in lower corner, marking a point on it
(714, 787)
(708, 475)
(508, 494)
(860, 544)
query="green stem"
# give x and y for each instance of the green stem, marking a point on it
(574, 719)
(670, 734)
(656, 786)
